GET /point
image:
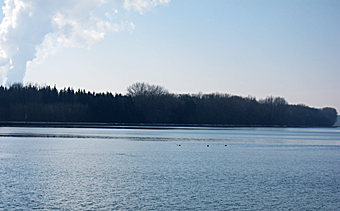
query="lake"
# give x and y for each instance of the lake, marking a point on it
(170, 169)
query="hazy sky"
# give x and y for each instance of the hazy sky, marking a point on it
(281, 48)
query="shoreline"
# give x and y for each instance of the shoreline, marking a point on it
(137, 125)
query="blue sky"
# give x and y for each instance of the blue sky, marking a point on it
(287, 48)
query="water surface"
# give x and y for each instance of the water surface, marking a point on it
(141, 169)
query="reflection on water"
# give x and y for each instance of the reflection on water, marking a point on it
(307, 136)
(103, 169)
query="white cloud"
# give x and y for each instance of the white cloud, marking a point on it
(143, 6)
(33, 29)
(133, 26)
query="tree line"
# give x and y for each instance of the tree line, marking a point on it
(145, 103)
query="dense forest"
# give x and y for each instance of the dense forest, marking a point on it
(145, 103)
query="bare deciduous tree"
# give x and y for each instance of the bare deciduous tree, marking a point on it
(145, 89)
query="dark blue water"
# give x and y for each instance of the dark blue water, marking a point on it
(134, 169)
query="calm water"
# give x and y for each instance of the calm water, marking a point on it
(141, 169)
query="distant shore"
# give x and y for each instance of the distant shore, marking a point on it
(129, 125)
(46, 106)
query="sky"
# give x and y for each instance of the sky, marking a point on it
(260, 48)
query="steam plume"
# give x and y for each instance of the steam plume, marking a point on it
(33, 29)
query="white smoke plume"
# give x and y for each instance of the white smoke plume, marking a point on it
(33, 29)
